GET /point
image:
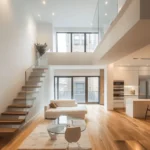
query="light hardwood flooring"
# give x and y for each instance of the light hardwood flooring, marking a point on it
(108, 130)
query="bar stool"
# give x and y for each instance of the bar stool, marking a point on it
(147, 110)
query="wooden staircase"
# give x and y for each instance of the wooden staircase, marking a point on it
(20, 107)
(16, 113)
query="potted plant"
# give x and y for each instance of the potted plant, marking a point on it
(41, 48)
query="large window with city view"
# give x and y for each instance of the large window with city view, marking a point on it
(82, 89)
(76, 42)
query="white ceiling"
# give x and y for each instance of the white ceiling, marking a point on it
(82, 67)
(138, 58)
(68, 13)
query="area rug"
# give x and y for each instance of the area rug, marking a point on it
(39, 140)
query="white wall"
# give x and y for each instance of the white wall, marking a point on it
(75, 58)
(75, 30)
(17, 38)
(45, 34)
(108, 87)
(130, 76)
(51, 82)
(77, 72)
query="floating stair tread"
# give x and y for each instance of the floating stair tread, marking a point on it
(28, 92)
(20, 113)
(34, 81)
(8, 130)
(24, 98)
(31, 86)
(11, 121)
(36, 76)
(40, 68)
(19, 106)
(38, 73)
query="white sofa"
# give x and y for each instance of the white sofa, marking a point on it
(65, 107)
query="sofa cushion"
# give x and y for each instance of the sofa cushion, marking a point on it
(64, 103)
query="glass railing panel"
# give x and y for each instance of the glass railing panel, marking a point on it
(33, 80)
(106, 12)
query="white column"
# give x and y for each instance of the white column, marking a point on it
(108, 87)
(51, 82)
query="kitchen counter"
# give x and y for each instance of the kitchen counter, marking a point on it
(136, 107)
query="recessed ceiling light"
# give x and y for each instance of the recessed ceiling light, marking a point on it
(106, 14)
(44, 2)
(39, 15)
(106, 2)
(53, 14)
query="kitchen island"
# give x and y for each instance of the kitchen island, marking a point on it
(136, 108)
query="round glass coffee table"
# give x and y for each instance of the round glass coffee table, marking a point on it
(60, 125)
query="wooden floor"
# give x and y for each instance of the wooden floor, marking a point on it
(111, 130)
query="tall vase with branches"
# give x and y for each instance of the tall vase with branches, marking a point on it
(41, 48)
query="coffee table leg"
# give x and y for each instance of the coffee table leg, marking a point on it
(53, 136)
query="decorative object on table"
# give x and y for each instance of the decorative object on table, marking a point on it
(41, 48)
(132, 92)
(72, 135)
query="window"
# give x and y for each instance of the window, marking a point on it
(76, 42)
(64, 42)
(55, 86)
(93, 89)
(79, 89)
(64, 88)
(82, 89)
(91, 42)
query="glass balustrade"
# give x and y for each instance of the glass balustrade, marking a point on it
(105, 13)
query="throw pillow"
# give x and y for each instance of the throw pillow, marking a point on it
(53, 105)
(56, 105)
